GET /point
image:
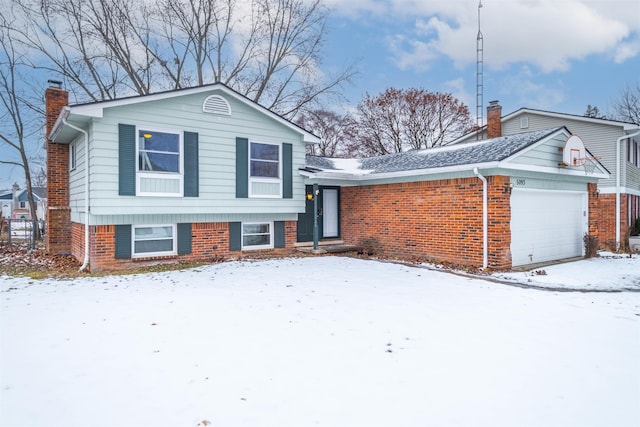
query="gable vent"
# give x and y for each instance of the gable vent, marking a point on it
(215, 104)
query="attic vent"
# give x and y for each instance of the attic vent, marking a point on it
(215, 104)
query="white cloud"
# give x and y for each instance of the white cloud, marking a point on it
(529, 89)
(457, 89)
(627, 50)
(548, 34)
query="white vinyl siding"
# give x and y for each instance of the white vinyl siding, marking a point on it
(216, 155)
(599, 139)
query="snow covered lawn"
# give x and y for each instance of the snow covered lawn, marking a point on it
(326, 341)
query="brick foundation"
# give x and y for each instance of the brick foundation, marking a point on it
(438, 221)
(210, 242)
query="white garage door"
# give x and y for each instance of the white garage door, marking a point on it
(547, 225)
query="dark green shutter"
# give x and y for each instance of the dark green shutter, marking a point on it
(191, 164)
(242, 168)
(127, 160)
(235, 236)
(123, 241)
(278, 234)
(184, 238)
(287, 171)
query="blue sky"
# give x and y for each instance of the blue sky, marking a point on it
(556, 55)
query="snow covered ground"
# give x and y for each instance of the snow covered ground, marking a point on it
(327, 341)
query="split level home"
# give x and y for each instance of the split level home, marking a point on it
(205, 173)
(615, 144)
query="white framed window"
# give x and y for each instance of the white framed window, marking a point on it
(257, 235)
(72, 155)
(633, 152)
(160, 157)
(265, 169)
(154, 240)
(158, 152)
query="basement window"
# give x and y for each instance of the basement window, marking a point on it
(257, 235)
(154, 240)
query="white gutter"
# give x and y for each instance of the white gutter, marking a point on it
(618, 167)
(485, 220)
(57, 126)
(86, 192)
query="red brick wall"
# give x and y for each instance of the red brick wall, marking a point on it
(439, 221)
(58, 238)
(499, 222)
(210, 242)
(605, 215)
(77, 241)
(594, 210)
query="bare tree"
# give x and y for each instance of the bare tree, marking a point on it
(627, 107)
(398, 120)
(16, 113)
(434, 119)
(336, 132)
(593, 112)
(268, 50)
(379, 123)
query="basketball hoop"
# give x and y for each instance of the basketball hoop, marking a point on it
(587, 163)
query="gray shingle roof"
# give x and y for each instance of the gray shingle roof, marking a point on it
(489, 150)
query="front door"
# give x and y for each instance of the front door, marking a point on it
(330, 224)
(328, 214)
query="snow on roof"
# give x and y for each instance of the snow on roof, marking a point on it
(477, 152)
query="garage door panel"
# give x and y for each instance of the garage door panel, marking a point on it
(546, 225)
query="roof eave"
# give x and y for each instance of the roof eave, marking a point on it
(625, 126)
(97, 109)
(399, 174)
(57, 126)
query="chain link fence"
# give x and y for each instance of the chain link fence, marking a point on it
(21, 232)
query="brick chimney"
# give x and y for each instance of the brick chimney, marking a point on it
(58, 239)
(494, 125)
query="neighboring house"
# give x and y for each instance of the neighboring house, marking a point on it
(192, 174)
(615, 144)
(497, 203)
(15, 203)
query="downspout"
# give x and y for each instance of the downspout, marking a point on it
(485, 220)
(85, 263)
(618, 167)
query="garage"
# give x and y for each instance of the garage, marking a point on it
(547, 225)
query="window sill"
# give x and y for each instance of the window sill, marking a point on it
(154, 258)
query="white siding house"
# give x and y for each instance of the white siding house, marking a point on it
(152, 169)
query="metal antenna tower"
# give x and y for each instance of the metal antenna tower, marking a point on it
(479, 77)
